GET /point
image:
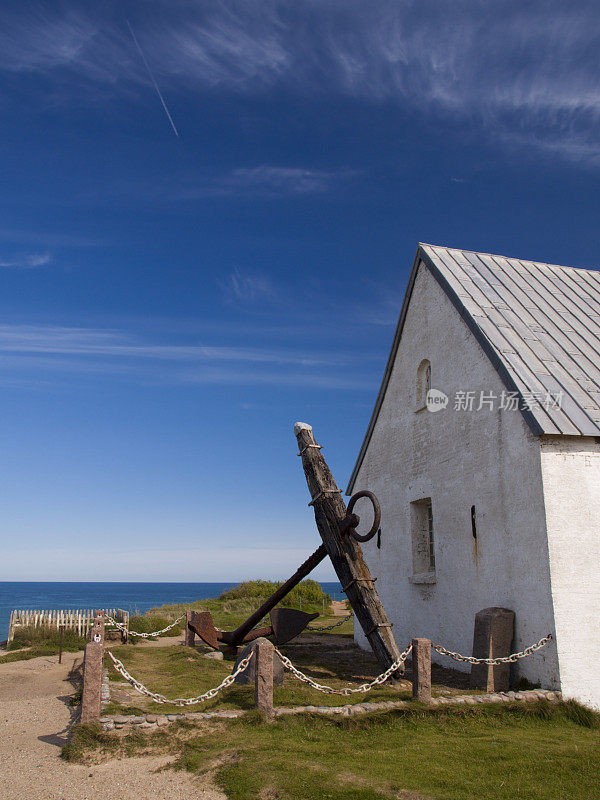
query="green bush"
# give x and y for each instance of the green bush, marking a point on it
(310, 591)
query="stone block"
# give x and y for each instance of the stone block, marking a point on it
(248, 675)
(215, 655)
(492, 638)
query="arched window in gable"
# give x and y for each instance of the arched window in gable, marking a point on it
(423, 384)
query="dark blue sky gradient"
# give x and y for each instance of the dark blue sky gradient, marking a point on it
(171, 305)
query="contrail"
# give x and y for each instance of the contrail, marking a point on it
(153, 79)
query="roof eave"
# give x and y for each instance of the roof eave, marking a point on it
(422, 256)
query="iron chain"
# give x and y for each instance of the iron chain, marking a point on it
(493, 661)
(112, 621)
(330, 627)
(364, 687)
(180, 701)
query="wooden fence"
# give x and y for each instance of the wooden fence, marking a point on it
(80, 620)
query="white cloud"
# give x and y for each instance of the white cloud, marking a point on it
(27, 261)
(523, 71)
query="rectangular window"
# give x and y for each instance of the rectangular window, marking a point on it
(423, 546)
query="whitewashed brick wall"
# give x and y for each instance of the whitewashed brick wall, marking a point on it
(484, 458)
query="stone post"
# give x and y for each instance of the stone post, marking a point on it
(421, 669)
(492, 638)
(189, 635)
(92, 672)
(263, 676)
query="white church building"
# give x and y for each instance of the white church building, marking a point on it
(484, 451)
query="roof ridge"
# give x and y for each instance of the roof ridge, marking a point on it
(511, 258)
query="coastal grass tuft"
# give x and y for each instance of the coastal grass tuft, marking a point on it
(85, 739)
(30, 642)
(499, 752)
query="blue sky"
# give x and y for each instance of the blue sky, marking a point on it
(176, 293)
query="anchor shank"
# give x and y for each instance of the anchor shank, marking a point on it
(307, 567)
(343, 549)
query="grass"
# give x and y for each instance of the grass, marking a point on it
(30, 642)
(500, 752)
(179, 671)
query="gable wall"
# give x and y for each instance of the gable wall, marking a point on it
(484, 458)
(571, 477)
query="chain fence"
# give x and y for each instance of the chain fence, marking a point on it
(364, 687)
(112, 621)
(329, 627)
(301, 676)
(493, 661)
(180, 701)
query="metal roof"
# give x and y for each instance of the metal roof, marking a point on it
(538, 323)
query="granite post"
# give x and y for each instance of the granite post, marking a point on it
(492, 638)
(421, 669)
(92, 672)
(189, 635)
(263, 676)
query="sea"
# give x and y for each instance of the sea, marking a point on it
(133, 597)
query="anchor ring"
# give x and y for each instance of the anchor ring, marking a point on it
(352, 520)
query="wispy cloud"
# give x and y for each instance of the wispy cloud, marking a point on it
(263, 181)
(30, 261)
(244, 288)
(524, 72)
(48, 349)
(279, 180)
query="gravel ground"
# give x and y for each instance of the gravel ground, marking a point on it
(34, 719)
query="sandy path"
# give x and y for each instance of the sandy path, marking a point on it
(34, 719)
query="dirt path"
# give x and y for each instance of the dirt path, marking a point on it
(340, 608)
(34, 719)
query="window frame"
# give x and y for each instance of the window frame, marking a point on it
(422, 531)
(423, 384)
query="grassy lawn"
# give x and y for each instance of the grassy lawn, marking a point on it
(504, 752)
(179, 671)
(330, 657)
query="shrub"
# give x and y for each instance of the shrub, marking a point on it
(310, 591)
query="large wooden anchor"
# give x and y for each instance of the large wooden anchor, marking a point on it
(337, 526)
